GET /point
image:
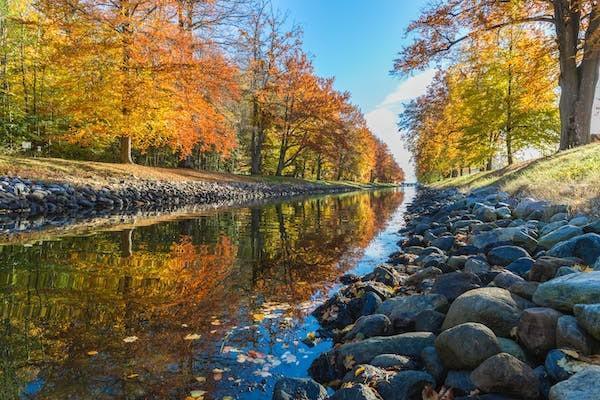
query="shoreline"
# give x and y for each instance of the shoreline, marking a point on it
(487, 296)
(27, 204)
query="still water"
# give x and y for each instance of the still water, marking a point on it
(212, 306)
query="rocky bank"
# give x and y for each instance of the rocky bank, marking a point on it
(54, 201)
(489, 298)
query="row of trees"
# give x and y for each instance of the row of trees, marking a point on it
(214, 84)
(501, 65)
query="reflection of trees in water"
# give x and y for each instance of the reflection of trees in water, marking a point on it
(92, 292)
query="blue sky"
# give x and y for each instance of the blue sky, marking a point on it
(356, 41)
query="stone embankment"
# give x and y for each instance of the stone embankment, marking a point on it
(26, 197)
(488, 298)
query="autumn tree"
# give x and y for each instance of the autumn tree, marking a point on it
(445, 24)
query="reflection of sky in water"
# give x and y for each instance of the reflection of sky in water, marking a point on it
(218, 306)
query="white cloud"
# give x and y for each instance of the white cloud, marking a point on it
(382, 120)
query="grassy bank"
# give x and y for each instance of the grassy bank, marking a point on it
(571, 177)
(99, 174)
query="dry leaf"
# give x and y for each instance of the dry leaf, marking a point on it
(92, 353)
(192, 336)
(130, 339)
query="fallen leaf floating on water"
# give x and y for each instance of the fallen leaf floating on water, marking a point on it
(262, 374)
(92, 353)
(192, 336)
(197, 394)
(227, 398)
(200, 379)
(130, 339)
(288, 358)
(215, 322)
(258, 317)
(132, 376)
(229, 349)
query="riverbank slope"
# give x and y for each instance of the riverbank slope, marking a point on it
(571, 177)
(56, 187)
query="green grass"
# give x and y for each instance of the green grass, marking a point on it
(571, 177)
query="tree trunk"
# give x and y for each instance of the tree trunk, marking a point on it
(256, 141)
(577, 83)
(319, 167)
(489, 164)
(125, 142)
(281, 160)
(509, 152)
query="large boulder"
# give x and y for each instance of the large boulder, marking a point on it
(564, 292)
(406, 344)
(504, 255)
(429, 321)
(581, 386)
(402, 310)
(528, 206)
(368, 326)
(511, 347)
(484, 212)
(423, 274)
(537, 329)
(518, 235)
(586, 247)
(506, 374)
(385, 274)
(298, 388)
(443, 242)
(570, 335)
(496, 308)
(465, 346)
(405, 385)
(588, 316)
(558, 235)
(393, 361)
(454, 284)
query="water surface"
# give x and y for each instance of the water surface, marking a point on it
(212, 306)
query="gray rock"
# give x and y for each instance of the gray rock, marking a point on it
(506, 374)
(429, 321)
(433, 364)
(443, 242)
(524, 289)
(580, 220)
(528, 206)
(504, 255)
(544, 380)
(368, 326)
(385, 274)
(570, 335)
(298, 388)
(518, 235)
(484, 213)
(551, 226)
(402, 310)
(581, 386)
(356, 392)
(496, 308)
(426, 273)
(460, 381)
(457, 262)
(588, 316)
(476, 266)
(504, 213)
(544, 268)
(405, 385)
(520, 266)
(393, 361)
(465, 346)
(506, 279)
(586, 247)
(511, 347)
(370, 303)
(537, 329)
(561, 234)
(593, 227)
(454, 284)
(407, 344)
(564, 292)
